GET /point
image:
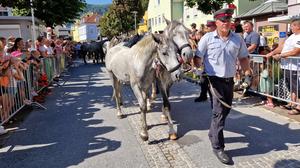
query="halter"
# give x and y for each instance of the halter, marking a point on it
(182, 47)
(158, 64)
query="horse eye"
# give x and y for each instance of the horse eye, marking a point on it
(164, 53)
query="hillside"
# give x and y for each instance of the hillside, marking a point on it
(101, 9)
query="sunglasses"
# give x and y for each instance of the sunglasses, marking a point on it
(225, 20)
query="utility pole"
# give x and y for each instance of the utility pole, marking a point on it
(134, 12)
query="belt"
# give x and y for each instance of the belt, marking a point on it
(230, 79)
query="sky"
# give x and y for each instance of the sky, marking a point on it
(98, 1)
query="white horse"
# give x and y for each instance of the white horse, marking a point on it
(120, 60)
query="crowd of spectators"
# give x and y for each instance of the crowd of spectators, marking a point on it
(262, 79)
(17, 57)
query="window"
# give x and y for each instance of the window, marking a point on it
(3, 13)
(158, 2)
(155, 20)
(159, 20)
(149, 22)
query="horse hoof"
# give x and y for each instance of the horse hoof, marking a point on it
(173, 136)
(164, 118)
(120, 116)
(144, 137)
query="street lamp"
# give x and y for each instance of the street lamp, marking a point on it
(33, 24)
(134, 12)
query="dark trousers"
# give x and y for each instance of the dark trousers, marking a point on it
(224, 87)
(204, 84)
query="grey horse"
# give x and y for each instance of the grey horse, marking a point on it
(136, 66)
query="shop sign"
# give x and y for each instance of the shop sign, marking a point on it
(271, 32)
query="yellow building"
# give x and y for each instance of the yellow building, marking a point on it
(143, 26)
(171, 9)
(75, 31)
(177, 10)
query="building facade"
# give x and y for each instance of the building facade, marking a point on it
(177, 10)
(19, 26)
(193, 15)
(170, 9)
(75, 31)
(88, 29)
(274, 32)
(5, 11)
(293, 12)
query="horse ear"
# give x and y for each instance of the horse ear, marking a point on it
(180, 20)
(156, 38)
(167, 21)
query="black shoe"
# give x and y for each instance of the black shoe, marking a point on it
(200, 99)
(222, 156)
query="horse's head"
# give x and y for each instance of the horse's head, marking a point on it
(167, 56)
(178, 33)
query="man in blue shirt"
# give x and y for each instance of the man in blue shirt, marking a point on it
(219, 50)
(252, 38)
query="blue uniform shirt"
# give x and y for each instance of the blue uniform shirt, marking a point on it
(220, 56)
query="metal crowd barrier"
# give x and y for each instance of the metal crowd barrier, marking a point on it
(17, 94)
(274, 79)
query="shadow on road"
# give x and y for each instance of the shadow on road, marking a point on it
(65, 134)
(259, 135)
(285, 162)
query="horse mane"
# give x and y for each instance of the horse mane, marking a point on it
(143, 46)
(171, 26)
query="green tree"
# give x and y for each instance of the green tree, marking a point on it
(120, 19)
(207, 6)
(51, 12)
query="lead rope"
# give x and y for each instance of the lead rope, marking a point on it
(215, 93)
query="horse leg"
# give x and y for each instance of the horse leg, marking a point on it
(120, 94)
(97, 57)
(166, 117)
(141, 97)
(116, 92)
(153, 91)
(118, 100)
(166, 113)
(84, 57)
(94, 57)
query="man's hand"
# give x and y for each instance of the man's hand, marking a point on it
(277, 57)
(248, 72)
(197, 61)
(270, 54)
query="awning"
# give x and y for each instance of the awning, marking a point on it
(283, 19)
(269, 7)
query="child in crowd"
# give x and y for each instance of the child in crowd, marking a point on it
(266, 82)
